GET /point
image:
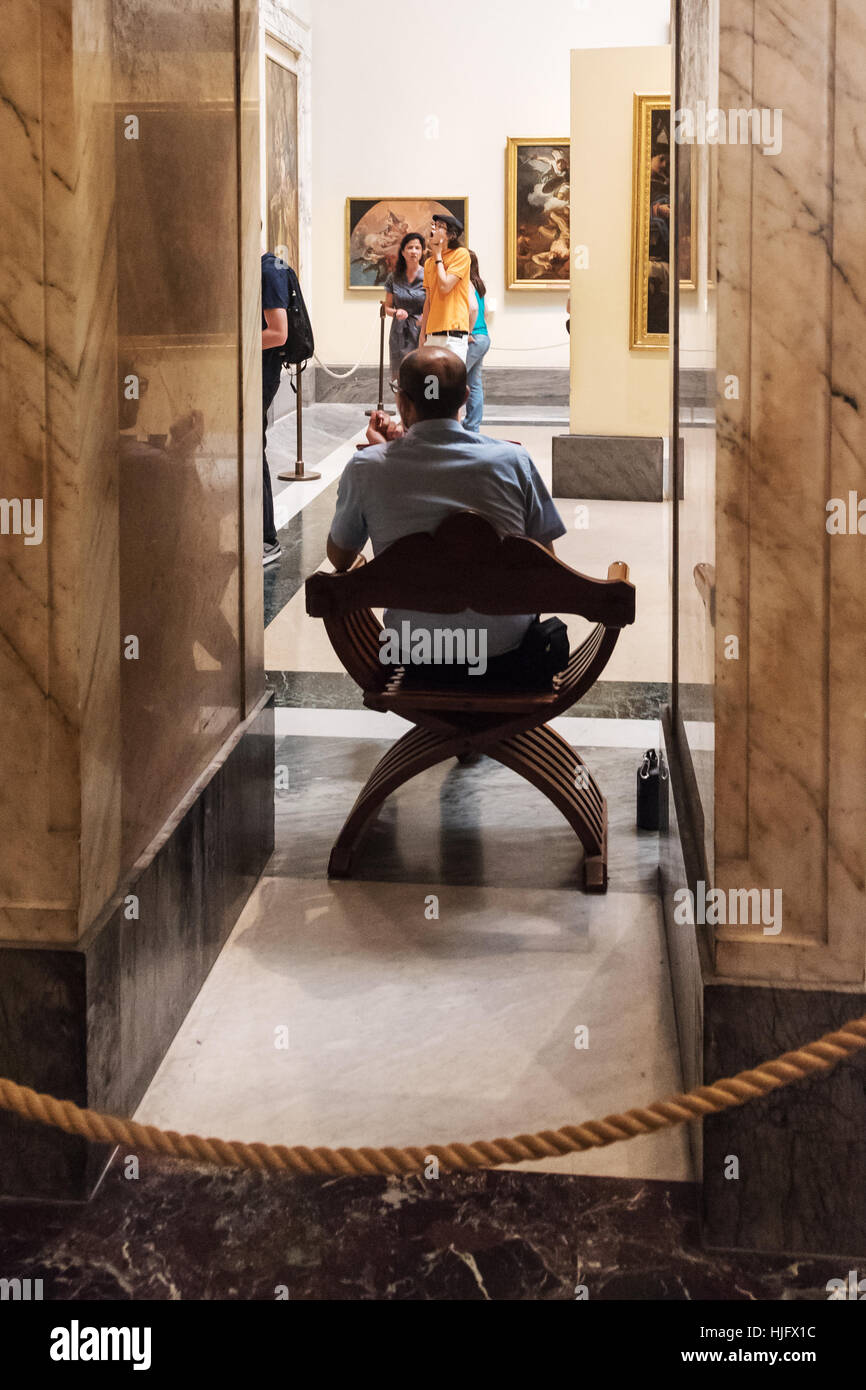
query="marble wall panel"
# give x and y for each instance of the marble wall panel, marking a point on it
(846, 591)
(60, 669)
(124, 258)
(790, 735)
(178, 307)
(24, 570)
(734, 347)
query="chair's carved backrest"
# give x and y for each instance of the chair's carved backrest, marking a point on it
(463, 564)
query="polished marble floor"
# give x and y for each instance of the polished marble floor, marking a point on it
(185, 1231)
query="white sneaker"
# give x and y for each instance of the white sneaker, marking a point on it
(272, 553)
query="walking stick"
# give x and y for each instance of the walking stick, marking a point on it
(299, 475)
(381, 406)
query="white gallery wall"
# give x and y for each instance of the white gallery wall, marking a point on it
(415, 98)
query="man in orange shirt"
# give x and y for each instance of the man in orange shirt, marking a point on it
(445, 321)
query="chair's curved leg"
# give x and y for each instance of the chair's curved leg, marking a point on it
(413, 753)
(550, 764)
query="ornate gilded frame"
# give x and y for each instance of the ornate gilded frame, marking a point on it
(511, 279)
(644, 105)
(396, 198)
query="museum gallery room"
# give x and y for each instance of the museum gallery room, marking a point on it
(432, 655)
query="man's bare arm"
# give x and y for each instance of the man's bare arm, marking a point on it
(446, 281)
(341, 559)
(277, 330)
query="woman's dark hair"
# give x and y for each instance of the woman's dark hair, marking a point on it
(400, 267)
(475, 276)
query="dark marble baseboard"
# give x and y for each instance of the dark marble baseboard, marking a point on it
(92, 1022)
(194, 1233)
(801, 1151)
(617, 468)
(681, 862)
(333, 690)
(502, 385)
(697, 386)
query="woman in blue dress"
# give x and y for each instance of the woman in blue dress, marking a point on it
(404, 300)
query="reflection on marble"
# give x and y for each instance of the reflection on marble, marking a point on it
(405, 1029)
(697, 385)
(177, 315)
(457, 825)
(249, 213)
(498, 1236)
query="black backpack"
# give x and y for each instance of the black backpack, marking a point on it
(298, 346)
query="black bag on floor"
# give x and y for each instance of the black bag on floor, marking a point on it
(652, 793)
(299, 346)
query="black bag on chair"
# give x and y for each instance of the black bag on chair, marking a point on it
(545, 648)
(652, 793)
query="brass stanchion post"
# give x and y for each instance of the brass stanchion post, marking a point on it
(381, 406)
(300, 475)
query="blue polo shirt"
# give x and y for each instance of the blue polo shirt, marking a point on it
(438, 467)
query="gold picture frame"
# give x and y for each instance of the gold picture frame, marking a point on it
(374, 227)
(651, 239)
(537, 237)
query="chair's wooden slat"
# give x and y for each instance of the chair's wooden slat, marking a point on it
(466, 564)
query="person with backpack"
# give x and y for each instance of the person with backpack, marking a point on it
(275, 329)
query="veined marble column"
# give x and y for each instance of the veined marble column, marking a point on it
(136, 797)
(786, 805)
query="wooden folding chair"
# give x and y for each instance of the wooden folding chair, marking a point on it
(465, 564)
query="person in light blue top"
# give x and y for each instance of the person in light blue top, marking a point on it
(429, 468)
(479, 344)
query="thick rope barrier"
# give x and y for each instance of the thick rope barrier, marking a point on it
(815, 1058)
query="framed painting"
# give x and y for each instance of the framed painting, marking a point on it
(537, 214)
(651, 222)
(281, 112)
(376, 226)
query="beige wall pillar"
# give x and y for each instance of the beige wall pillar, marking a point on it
(615, 390)
(619, 395)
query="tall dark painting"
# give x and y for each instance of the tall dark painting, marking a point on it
(281, 108)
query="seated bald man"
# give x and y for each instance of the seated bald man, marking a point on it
(411, 483)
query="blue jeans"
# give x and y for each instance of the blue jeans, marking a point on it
(475, 405)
